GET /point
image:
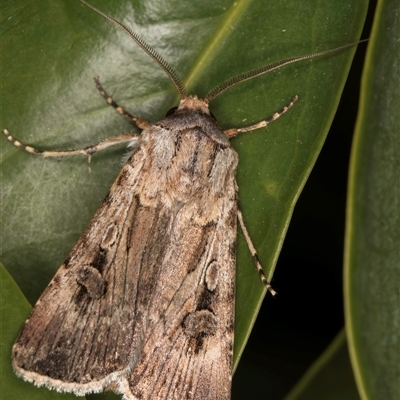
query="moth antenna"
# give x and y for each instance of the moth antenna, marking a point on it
(212, 94)
(148, 49)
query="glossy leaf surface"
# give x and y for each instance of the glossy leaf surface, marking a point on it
(51, 52)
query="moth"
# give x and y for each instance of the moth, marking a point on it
(144, 303)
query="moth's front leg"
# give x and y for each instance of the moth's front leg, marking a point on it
(88, 151)
(236, 131)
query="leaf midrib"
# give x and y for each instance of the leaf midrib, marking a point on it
(211, 49)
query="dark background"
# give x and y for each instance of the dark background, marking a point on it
(294, 328)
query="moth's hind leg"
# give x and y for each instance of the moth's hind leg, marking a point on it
(236, 131)
(88, 151)
(141, 123)
(254, 255)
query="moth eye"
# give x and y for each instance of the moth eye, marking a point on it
(171, 111)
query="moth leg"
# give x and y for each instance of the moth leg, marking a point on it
(139, 122)
(236, 131)
(253, 252)
(88, 151)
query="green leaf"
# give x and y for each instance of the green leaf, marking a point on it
(51, 51)
(372, 259)
(330, 377)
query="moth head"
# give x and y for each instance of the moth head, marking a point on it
(191, 104)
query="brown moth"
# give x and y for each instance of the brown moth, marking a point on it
(144, 303)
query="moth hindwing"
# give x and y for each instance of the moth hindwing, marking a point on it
(144, 303)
